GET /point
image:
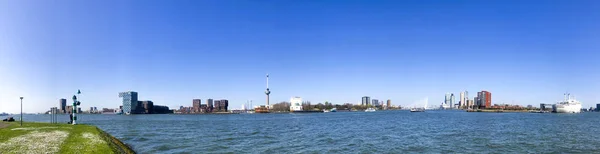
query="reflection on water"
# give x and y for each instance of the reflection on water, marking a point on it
(352, 132)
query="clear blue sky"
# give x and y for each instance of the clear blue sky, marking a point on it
(526, 52)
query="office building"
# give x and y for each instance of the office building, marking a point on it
(130, 102)
(485, 99)
(62, 103)
(79, 110)
(470, 103)
(217, 105)
(375, 102)
(131, 105)
(196, 105)
(157, 109)
(220, 105)
(597, 107)
(389, 103)
(210, 106)
(464, 99)
(223, 105)
(365, 100)
(148, 107)
(452, 100)
(449, 100)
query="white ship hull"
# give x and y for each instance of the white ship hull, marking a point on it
(568, 108)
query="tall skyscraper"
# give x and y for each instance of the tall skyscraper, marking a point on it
(461, 99)
(389, 103)
(365, 100)
(449, 100)
(453, 100)
(63, 105)
(130, 102)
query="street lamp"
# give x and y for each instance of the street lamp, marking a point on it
(21, 110)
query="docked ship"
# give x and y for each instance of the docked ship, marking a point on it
(568, 105)
(261, 109)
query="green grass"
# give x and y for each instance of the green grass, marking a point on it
(57, 138)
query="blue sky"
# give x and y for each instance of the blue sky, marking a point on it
(526, 52)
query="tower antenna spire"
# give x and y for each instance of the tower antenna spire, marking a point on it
(267, 91)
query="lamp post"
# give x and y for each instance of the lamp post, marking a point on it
(21, 110)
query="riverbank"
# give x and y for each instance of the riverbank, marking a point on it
(57, 138)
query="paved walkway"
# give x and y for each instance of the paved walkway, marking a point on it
(2, 124)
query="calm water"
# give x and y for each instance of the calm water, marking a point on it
(354, 132)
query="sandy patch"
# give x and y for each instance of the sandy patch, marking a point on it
(35, 142)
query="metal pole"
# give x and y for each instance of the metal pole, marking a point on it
(21, 111)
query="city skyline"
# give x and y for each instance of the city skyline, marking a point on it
(524, 52)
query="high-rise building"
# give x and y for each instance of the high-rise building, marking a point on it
(464, 99)
(488, 99)
(449, 99)
(484, 99)
(461, 100)
(366, 100)
(130, 102)
(452, 100)
(196, 105)
(389, 103)
(63, 105)
(223, 105)
(478, 100)
(375, 102)
(209, 102)
(209, 105)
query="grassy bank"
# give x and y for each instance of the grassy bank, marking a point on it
(57, 138)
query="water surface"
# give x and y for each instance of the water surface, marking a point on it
(353, 132)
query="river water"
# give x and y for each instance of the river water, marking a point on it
(353, 132)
